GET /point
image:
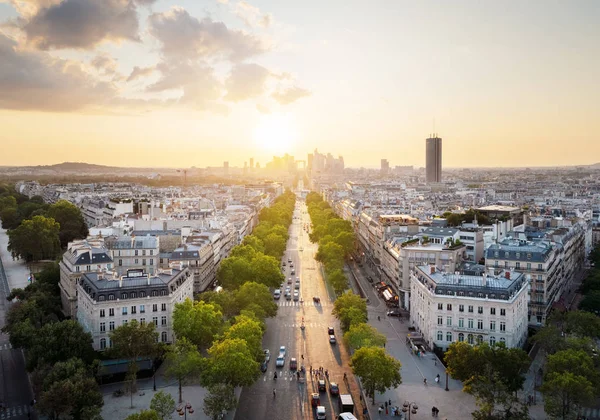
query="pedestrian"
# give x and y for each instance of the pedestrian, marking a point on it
(390, 402)
(345, 377)
(435, 361)
(311, 369)
(380, 410)
(383, 345)
(378, 318)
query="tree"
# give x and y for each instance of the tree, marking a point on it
(249, 330)
(549, 339)
(377, 370)
(330, 252)
(564, 393)
(338, 281)
(252, 293)
(198, 322)
(183, 361)
(274, 245)
(163, 404)
(60, 341)
(234, 271)
(364, 335)
(223, 301)
(254, 242)
(144, 415)
(350, 309)
(68, 216)
(591, 302)
(346, 240)
(245, 251)
(265, 270)
(583, 324)
(231, 362)
(10, 217)
(220, 399)
(132, 341)
(35, 239)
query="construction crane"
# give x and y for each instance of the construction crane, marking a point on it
(185, 171)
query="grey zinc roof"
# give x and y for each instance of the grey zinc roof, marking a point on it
(538, 251)
(99, 256)
(132, 242)
(439, 231)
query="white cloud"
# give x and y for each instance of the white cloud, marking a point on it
(251, 15)
(289, 95)
(246, 81)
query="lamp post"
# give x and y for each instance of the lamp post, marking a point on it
(447, 389)
(182, 410)
(409, 407)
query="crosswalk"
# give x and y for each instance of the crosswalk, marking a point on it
(13, 412)
(283, 303)
(590, 413)
(307, 325)
(5, 346)
(283, 374)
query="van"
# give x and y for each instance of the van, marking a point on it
(321, 413)
(347, 416)
(346, 403)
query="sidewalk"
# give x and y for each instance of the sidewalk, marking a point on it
(16, 271)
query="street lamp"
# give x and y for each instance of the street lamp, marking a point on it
(182, 410)
(410, 408)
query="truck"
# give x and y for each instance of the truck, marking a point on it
(346, 403)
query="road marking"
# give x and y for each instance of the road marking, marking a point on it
(11, 412)
(5, 346)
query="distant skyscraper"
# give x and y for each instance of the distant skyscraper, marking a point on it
(385, 166)
(433, 159)
(226, 168)
(251, 163)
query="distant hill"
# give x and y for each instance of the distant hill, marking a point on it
(594, 166)
(78, 166)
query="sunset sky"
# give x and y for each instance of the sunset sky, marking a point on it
(197, 82)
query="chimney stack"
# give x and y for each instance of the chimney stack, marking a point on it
(507, 274)
(484, 279)
(432, 269)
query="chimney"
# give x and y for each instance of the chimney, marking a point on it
(121, 281)
(432, 269)
(507, 274)
(484, 283)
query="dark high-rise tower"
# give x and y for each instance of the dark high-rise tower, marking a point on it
(433, 164)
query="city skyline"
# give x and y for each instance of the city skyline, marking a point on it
(195, 84)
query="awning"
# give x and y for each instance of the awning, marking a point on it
(387, 295)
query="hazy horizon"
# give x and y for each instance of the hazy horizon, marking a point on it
(154, 83)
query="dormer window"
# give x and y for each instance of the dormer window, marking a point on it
(111, 297)
(123, 295)
(133, 295)
(142, 294)
(163, 293)
(154, 293)
(101, 298)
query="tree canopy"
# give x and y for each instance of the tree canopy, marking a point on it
(350, 309)
(68, 216)
(376, 369)
(198, 322)
(231, 362)
(35, 239)
(364, 335)
(183, 361)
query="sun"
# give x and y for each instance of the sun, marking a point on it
(275, 134)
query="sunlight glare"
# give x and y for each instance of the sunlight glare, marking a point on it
(275, 134)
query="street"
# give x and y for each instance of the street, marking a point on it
(292, 400)
(15, 391)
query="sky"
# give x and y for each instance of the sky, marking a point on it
(180, 83)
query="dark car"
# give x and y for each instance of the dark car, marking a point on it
(370, 279)
(322, 386)
(330, 331)
(394, 313)
(293, 364)
(263, 366)
(334, 389)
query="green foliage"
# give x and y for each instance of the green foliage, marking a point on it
(249, 330)
(350, 309)
(256, 294)
(591, 302)
(163, 404)
(338, 281)
(254, 242)
(220, 399)
(183, 361)
(144, 415)
(198, 322)
(493, 375)
(35, 239)
(274, 245)
(231, 362)
(237, 270)
(377, 370)
(582, 324)
(69, 388)
(363, 335)
(223, 301)
(456, 219)
(68, 216)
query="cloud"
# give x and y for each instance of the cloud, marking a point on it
(104, 63)
(287, 96)
(31, 80)
(81, 24)
(138, 72)
(185, 37)
(251, 15)
(263, 109)
(246, 81)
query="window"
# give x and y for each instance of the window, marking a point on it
(164, 336)
(136, 253)
(142, 309)
(480, 309)
(492, 311)
(111, 326)
(163, 307)
(133, 295)
(479, 339)
(492, 340)
(480, 324)
(133, 310)
(163, 293)
(461, 308)
(155, 320)
(103, 327)
(440, 320)
(111, 312)
(503, 340)
(154, 308)
(496, 264)
(470, 339)
(440, 336)
(142, 321)
(440, 306)
(163, 320)
(449, 336)
(493, 325)
(143, 252)
(111, 297)
(461, 322)
(101, 298)
(503, 326)
(461, 337)
(77, 269)
(540, 267)
(151, 261)
(123, 295)
(449, 321)
(518, 265)
(518, 255)
(471, 308)
(87, 268)
(120, 263)
(137, 261)
(151, 252)
(155, 293)
(502, 312)
(142, 294)
(449, 307)
(124, 310)
(529, 266)
(470, 323)
(102, 313)
(102, 343)
(540, 277)
(143, 261)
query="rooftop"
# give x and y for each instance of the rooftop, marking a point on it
(496, 207)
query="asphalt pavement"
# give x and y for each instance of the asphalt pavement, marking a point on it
(15, 391)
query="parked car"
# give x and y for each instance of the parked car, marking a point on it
(330, 331)
(263, 366)
(267, 354)
(332, 339)
(334, 389)
(322, 387)
(282, 350)
(394, 313)
(293, 364)
(370, 279)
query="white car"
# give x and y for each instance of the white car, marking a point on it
(282, 351)
(321, 413)
(280, 361)
(267, 355)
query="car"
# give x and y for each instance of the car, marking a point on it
(296, 296)
(282, 350)
(267, 355)
(263, 366)
(315, 399)
(277, 294)
(330, 331)
(297, 285)
(293, 272)
(322, 387)
(321, 413)
(288, 296)
(332, 339)
(291, 265)
(283, 264)
(394, 313)
(334, 389)
(280, 361)
(370, 279)
(289, 260)
(293, 364)
(289, 281)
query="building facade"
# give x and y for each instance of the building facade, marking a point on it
(134, 252)
(433, 159)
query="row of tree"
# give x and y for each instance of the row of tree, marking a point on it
(591, 285)
(335, 237)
